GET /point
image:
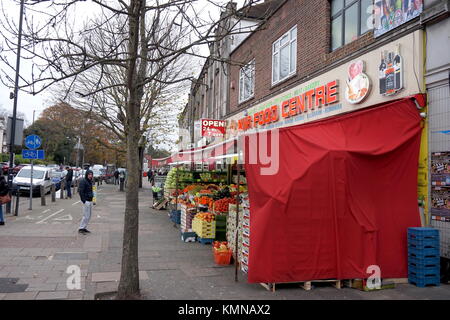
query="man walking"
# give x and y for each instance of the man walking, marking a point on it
(116, 177)
(86, 196)
(150, 176)
(69, 177)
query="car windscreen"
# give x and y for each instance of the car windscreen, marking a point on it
(56, 174)
(26, 173)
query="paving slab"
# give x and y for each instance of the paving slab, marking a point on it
(114, 276)
(52, 295)
(21, 296)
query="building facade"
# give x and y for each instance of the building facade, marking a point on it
(209, 97)
(311, 60)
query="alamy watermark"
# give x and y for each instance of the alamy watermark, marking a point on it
(73, 282)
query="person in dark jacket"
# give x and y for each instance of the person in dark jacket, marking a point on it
(86, 196)
(4, 189)
(116, 177)
(69, 178)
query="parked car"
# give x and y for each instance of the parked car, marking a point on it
(56, 177)
(17, 168)
(99, 175)
(41, 177)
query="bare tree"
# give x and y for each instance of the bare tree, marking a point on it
(120, 61)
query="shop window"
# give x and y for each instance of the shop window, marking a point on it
(247, 81)
(284, 56)
(349, 20)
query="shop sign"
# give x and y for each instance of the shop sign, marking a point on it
(320, 97)
(391, 73)
(389, 14)
(307, 103)
(358, 83)
(213, 128)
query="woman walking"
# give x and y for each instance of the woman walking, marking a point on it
(4, 190)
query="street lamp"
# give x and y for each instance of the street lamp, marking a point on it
(14, 118)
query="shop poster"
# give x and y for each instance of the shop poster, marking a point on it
(389, 14)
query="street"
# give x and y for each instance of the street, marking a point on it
(38, 246)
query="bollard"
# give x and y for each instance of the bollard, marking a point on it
(42, 190)
(53, 191)
(16, 210)
(61, 189)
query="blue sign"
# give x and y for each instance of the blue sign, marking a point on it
(33, 154)
(33, 142)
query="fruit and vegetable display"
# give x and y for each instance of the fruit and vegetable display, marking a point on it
(212, 177)
(205, 216)
(204, 200)
(222, 193)
(233, 188)
(220, 246)
(171, 180)
(222, 253)
(156, 189)
(222, 204)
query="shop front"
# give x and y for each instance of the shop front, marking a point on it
(345, 188)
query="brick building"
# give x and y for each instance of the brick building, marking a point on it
(303, 45)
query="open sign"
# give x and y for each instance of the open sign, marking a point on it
(213, 128)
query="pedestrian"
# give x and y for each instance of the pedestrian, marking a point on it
(4, 191)
(116, 177)
(86, 196)
(152, 181)
(122, 177)
(69, 177)
(149, 175)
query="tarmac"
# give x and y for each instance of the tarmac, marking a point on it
(41, 253)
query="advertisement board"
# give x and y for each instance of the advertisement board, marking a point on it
(389, 14)
(213, 128)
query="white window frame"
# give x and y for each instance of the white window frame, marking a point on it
(243, 78)
(276, 54)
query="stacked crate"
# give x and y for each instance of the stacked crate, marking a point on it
(206, 231)
(232, 228)
(175, 216)
(187, 216)
(221, 227)
(245, 239)
(423, 256)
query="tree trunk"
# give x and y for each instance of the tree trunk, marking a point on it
(129, 277)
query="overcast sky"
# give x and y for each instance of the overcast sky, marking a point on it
(28, 103)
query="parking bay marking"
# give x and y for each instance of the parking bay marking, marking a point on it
(53, 214)
(76, 202)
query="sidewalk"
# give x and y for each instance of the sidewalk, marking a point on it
(38, 246)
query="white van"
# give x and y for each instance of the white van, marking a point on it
(41, 176)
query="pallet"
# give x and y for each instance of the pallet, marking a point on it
(205, 240)
(160, 204)
(306, 285)
(361, 284)
(424, 282)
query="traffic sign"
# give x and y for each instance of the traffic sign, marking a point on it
(33, 142)
(33, 154)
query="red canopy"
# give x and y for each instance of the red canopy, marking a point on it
(342, 199)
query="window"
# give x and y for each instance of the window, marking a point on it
(349, 20)
(247, 82)
(284, 56)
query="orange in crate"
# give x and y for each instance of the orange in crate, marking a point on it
(222, 257)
